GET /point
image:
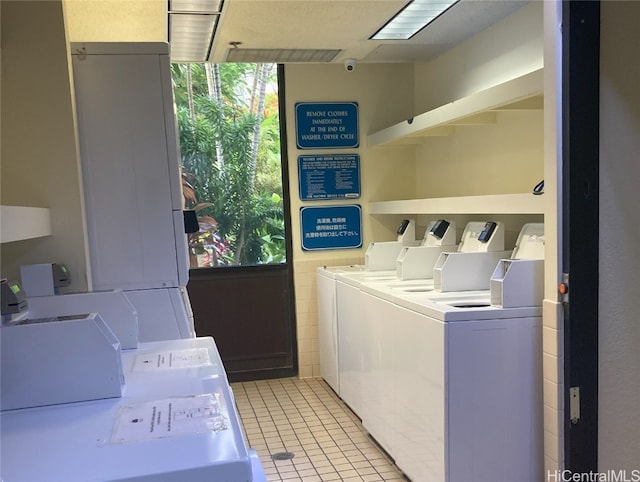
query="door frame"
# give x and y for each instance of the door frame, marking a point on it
(267, 271)
(580, 153)
(286, 200)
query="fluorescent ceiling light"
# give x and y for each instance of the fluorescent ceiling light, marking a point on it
(415, 16)
(192, 24)
(195, 6)
(190, 36)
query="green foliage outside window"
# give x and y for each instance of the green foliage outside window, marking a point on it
(230, 146)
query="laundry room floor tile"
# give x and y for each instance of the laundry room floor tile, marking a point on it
(303, 431)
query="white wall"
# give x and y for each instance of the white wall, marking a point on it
(502, 158)
(505, 50)
(116, 20)
(499, 158)
(39, 152)
(619, 300)
(39, 143)
(385, 95)
(505, 157)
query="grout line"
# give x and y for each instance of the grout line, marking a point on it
(306, 417)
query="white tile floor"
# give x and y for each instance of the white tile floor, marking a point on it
(304, 417)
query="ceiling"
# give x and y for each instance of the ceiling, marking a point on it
(345, 26)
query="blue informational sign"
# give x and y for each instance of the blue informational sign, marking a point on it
(329, 177)
(331, 227)
(327, 125)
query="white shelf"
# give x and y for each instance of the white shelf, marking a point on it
(521, 93)
(19, 223)
(490, 204)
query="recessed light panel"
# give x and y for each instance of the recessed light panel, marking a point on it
(195, 6)
(412, 18)
(191, 36)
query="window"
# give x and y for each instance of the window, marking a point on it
(231, 166)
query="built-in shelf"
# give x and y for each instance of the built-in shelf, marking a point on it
(521, 93)
(490, 204)
(20, 222)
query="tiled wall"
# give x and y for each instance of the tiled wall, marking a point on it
(553, 384)
(307, 311)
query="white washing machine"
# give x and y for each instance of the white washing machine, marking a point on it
(516, 281)
(176, 421)
(489, 378)
(447, 383)
(328, 321)
(466, 268)
(439, 237)
(477, 269)
(341, 321)
(356, 336)
(380, 264)
(382, 255)
(365, 324)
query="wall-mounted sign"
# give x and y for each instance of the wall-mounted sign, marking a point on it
(327, 125)
(331, 227)
(329, 177)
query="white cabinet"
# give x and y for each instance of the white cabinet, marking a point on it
(130, 165)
